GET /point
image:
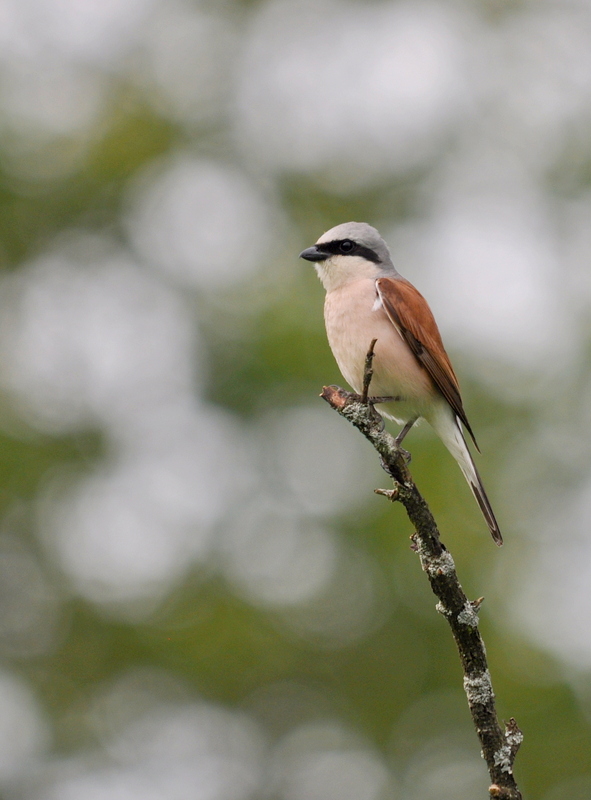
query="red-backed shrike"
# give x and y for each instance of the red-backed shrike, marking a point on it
(366, 299)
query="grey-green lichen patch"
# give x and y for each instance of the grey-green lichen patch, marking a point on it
(384, 443)
(503, 759)
(514, 738)
(441, 565)
(468, 616)
(478, 688)
(356, 413)
(359, 415)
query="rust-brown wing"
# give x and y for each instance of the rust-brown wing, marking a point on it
(409, 312)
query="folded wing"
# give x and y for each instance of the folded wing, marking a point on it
(409, 312)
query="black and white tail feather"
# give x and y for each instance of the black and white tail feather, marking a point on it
(448, 427)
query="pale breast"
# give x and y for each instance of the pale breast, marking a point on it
(353, 319)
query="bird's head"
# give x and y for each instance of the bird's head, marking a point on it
(347, 253)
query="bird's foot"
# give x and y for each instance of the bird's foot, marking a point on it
(374, 401)
(405, 454)
(377, 417)
(386, 467)
(407, 457)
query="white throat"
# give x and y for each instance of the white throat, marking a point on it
(338, 270)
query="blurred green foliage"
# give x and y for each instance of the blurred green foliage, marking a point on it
(223, 647)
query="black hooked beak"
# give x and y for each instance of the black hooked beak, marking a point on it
(314, 253)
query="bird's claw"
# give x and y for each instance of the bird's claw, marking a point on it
(407, 457)
(405, 454)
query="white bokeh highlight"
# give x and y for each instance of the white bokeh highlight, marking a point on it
(171, 749)
(350, 91)
(494, 277)
(53, 58)
(450, 770)
(85, 30)
(86, 341)
(132, 529)
(203, 223)
(315, 462)
(276, 557)
(94, 341)
(185, 57)
(325, 761)
(553, 601)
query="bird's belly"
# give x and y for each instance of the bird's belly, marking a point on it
(352, 322)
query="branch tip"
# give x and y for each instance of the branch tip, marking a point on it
(335, 396)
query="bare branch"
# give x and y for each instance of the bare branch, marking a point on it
(499, 747)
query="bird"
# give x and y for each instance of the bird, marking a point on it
(367, 299)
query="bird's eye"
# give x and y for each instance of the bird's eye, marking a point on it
(346, 246)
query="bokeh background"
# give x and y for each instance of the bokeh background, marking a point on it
(201, 598)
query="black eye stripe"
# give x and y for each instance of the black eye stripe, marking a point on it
(335, 248)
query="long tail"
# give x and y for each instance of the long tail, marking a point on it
(448, 429)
